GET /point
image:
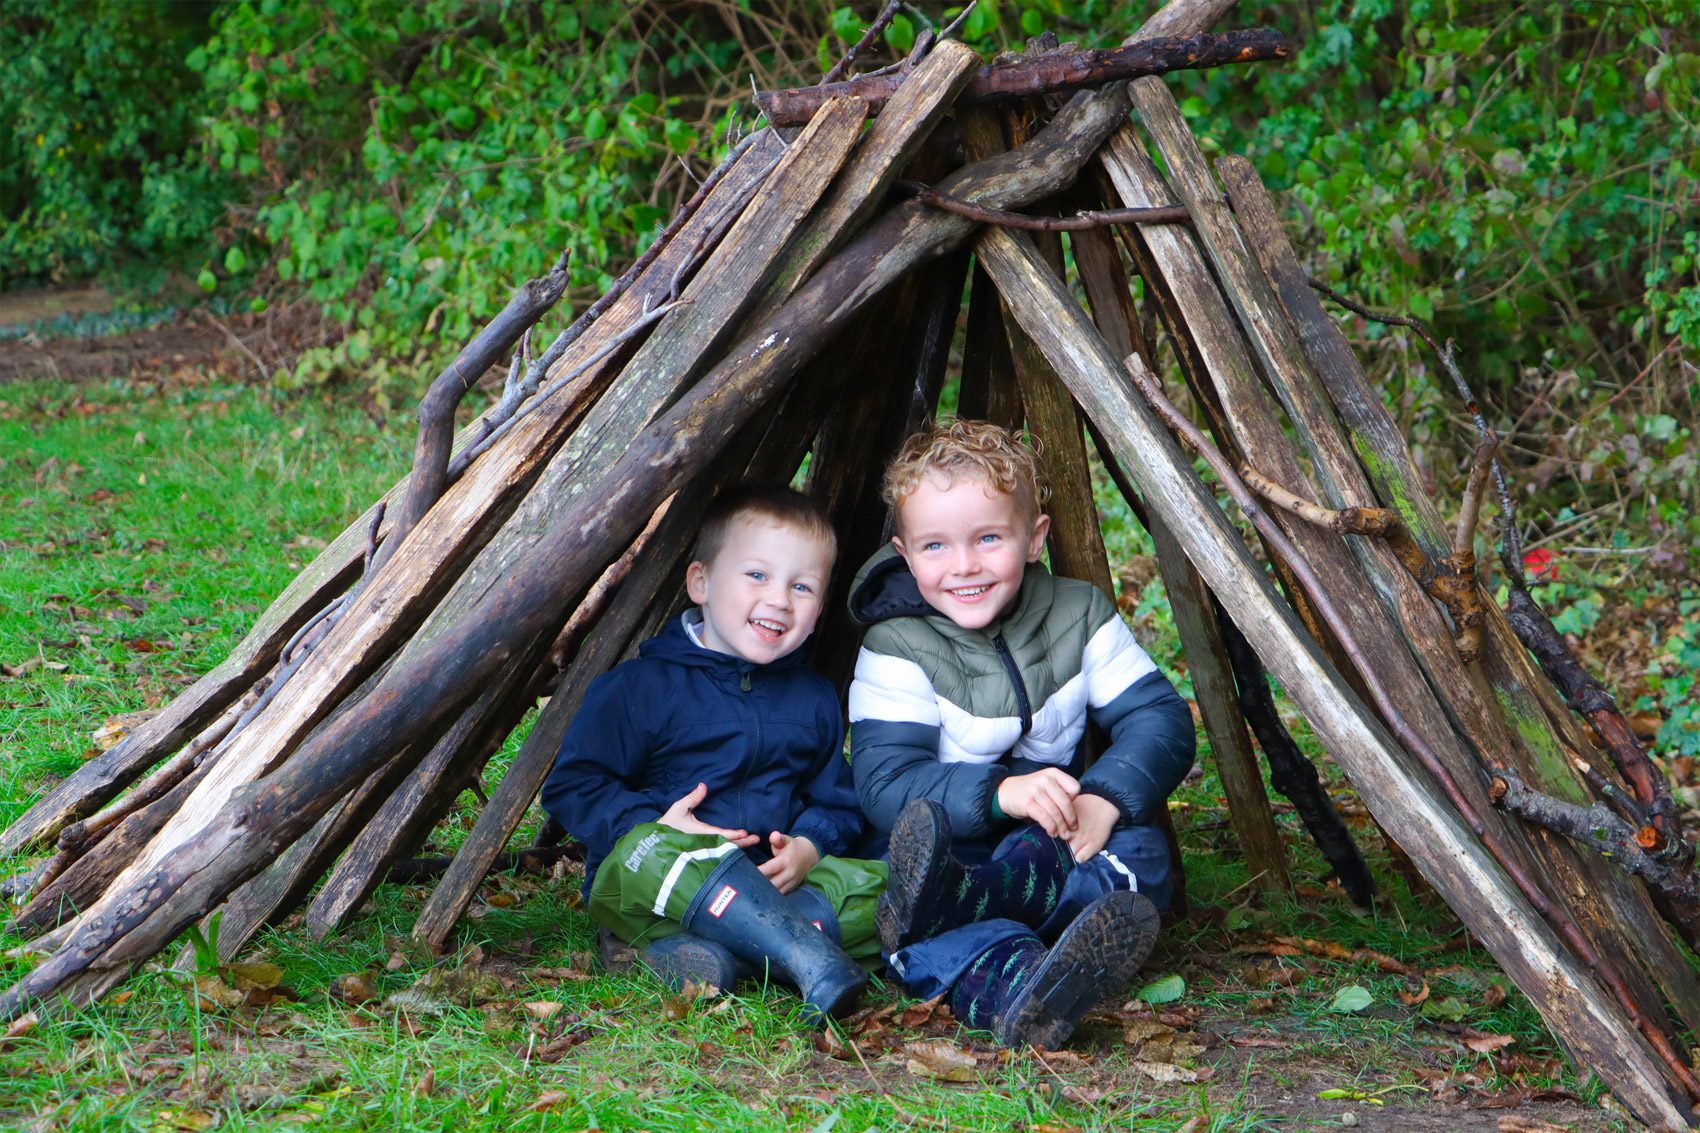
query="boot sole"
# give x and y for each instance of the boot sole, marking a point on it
(919, 843)
(1096, 957)
(698, 962)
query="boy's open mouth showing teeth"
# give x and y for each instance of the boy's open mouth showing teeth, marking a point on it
(767, 627)
(970, 591)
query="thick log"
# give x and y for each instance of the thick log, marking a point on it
(1427, 680)
(99, 780)
(675, 353)
(1589, 1022)
(415, 805)
(1498, 703)
(1048, 74)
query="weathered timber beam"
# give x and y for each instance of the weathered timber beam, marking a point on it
(1471, 881)
(133, 921)
(1048, 74)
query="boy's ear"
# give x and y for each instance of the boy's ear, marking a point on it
(903, 552)
(1035, 545)
(696, 583)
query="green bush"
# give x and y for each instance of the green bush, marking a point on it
(100, 114)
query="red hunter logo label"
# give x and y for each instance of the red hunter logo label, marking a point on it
(721, 900)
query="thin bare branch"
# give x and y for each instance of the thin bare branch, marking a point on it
(1090, 218)
(881, 21)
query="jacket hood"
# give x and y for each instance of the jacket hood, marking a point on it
(885, 588)
(676, 645)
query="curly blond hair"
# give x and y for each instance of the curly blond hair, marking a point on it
(976, 450)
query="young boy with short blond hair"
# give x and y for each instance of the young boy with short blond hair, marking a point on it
(1026, 885)
(707, 780)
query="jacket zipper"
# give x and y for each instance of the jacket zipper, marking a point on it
(1014, 672)
(745, 684)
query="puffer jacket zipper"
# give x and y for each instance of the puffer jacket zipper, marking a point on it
(1014, 671)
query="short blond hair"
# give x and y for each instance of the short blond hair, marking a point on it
(976, 450)
(771, 503)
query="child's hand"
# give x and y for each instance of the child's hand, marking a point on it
(1098, 816)
(680, 818)
(791, 862)
(1046, 796)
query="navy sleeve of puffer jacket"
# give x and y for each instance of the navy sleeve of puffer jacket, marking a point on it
(589, 791)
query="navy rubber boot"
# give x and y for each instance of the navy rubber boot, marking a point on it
(739, 909)
(1095, 958)
(930, 892)
(686, 957)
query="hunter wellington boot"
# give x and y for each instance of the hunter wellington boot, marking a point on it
(739, 909)
(686, 957)
(1028, 996)
(931, 892)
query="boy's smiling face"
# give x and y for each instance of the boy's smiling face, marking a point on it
(968, 546)
(762, 592)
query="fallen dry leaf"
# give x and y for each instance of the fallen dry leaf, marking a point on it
(542, 1008)
(1142, 1030)
(426, 1084)
(1414, 997)
(1484, 1043)
(1169, 1072)
(941, 1059)
(20, 1027)
(357, 987)
(548, 1100)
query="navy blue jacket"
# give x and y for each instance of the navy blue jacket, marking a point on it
(767, 740)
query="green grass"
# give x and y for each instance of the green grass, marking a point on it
(142, 527)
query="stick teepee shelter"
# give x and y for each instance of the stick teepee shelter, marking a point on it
(803, 305)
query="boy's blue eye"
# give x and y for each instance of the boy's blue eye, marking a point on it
(802, 588)
(990, 537)
(756, 575)
(931, 546)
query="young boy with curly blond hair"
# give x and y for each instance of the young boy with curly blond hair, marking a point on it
(1023, 883)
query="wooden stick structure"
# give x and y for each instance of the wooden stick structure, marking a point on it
(797, 320)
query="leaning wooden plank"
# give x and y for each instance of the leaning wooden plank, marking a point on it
(134, 920)
(1617, 912)
(920, 103)
(1473, 884)
(1253, 423)
(1463, 693)
(1105, 282)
